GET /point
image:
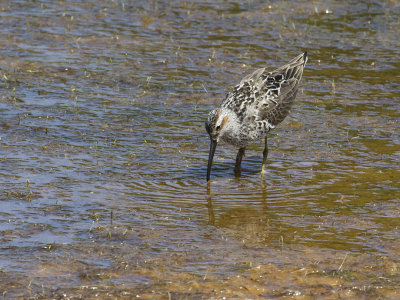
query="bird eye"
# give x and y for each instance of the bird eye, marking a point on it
(218, 128)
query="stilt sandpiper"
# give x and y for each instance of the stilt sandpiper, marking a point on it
(256, 105)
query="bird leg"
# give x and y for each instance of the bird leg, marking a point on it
(265, 154)
(239, 157)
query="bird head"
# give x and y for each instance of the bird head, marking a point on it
(215, 126)
(216, 123)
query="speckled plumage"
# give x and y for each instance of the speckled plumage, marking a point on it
(254, 106)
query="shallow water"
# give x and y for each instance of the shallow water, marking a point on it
(103, 151)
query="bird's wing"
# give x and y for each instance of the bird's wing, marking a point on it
(267, 95)
(279, 89)
(275, 105)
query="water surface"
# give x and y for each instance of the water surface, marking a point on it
(103, 151)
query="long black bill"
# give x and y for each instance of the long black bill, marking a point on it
(213, 146)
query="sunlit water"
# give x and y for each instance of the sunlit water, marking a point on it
(103, 151)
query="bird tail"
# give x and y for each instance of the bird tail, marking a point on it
(294, 68)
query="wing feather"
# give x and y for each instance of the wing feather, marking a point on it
(267, 95)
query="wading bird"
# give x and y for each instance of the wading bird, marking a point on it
(256, 105)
